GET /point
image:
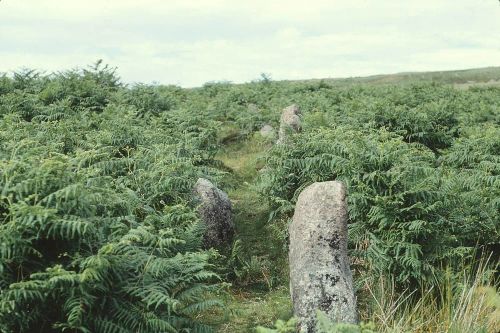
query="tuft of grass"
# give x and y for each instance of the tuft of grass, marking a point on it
(245, 157)
(463, 302)
(252, 308)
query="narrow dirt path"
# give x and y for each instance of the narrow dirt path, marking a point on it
(259, 295)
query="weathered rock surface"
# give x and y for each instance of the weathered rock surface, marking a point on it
(320, 276)
(289, 122)
(215, 212)
(267, 131)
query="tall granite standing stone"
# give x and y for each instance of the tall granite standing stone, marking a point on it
(215, 212)
(320, 276)
(289, 122)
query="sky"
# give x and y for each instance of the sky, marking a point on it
(189, 43)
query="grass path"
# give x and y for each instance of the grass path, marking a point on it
(259, 295)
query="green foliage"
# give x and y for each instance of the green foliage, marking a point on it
(6, 84)
(99, 233)
(245, 270)
(324, 325)
(280, 326)
(85, 90)
(412, 202)
(97, 230)
(151, 100)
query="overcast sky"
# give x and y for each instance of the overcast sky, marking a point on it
(188, 43)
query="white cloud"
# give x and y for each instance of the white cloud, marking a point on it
(190, 42)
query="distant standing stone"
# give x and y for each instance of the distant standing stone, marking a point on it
(290, 121)
(215, 211)
(320, 276)
(253, 108)
(267, 131)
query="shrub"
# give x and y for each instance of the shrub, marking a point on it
(404, 212)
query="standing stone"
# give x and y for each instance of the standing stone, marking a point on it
(215, 212)
(267, 131)
(320, 276)
(290, 121)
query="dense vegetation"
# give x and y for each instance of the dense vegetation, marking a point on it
(99, 231)
(422, 173)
